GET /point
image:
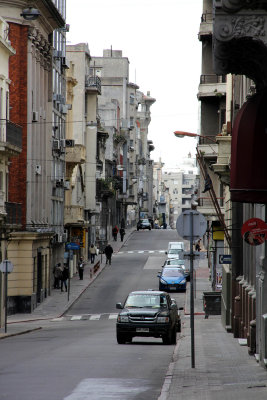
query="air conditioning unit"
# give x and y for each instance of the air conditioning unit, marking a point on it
(56, 145)
(35, 116)
(67, 142)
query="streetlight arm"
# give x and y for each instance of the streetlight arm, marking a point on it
(182, 134)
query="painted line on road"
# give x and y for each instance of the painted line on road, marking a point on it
(113, 316)
(95, 317)
(76, 317)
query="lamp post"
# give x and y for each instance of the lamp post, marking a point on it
(182, 134)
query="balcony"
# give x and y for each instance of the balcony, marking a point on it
(206, 27)
(206, 207)
(75, 155)
(104, 189)
(74, 215)
(10, 138)
(93, 84)
(13, 213)
(222, 166)
(208, 147)
(212, 85)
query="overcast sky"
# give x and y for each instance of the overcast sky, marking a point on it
(160, 39)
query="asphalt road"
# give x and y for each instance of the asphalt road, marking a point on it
(78, 358)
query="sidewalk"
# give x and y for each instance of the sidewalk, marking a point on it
(55, 305)
(223, 369)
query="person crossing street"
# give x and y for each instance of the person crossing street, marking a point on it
(108, 252)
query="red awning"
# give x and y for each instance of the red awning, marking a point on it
(249, 152)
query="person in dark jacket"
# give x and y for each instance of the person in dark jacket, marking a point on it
(81, 268)
(122, 233)
(108, 252)
(115, 231)
(64, 278)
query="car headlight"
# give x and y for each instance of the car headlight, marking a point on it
(162, 281)
(163, 320)
(183, 281)
(123, 318)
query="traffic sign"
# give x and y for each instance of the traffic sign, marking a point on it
(225, 259)
(183, 225)
(6, 266)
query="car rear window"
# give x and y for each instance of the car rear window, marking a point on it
(145, 300)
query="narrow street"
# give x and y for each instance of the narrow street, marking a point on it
(77, 356)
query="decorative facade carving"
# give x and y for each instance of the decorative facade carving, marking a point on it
(240, 39)
(236, 5)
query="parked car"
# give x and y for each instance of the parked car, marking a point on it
(176, 245)
(148, 313)
(172, 279)
(176, 263)
(175, 253)
(143, 224)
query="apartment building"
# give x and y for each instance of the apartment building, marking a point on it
(181, 188)
(30, 185)
(127, 152)
(84, 158)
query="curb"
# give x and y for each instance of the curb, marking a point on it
(6, 335)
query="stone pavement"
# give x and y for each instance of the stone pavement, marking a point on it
(223, 368)
(55, 305)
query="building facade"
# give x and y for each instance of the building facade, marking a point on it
(239, 52)
(30, 184)
(11, 145)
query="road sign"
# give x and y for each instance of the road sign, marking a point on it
(183, 225)
(6, 266)
(225, 259)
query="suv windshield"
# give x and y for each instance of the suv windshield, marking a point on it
(145, 300)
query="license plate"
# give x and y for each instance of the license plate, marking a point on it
(172, 288)
(142, 329)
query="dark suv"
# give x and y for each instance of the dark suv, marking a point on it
(148, 314)
(143, 224)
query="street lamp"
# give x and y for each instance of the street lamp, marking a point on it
(182, 134)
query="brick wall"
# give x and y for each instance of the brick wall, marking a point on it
(18, 113)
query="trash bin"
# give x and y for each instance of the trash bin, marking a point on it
(211, 303)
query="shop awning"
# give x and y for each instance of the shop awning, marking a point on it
(248, 181)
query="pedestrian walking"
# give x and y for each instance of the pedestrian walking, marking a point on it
(81, 268)
(93, 252)
(108, 252)
(115, 231)
(198, 248)
(64, 278)
(57, 275)
(122, 233)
